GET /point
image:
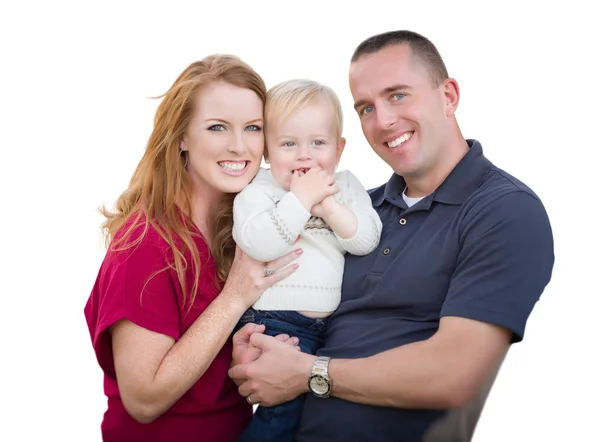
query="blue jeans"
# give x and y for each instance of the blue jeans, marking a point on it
(280, 423)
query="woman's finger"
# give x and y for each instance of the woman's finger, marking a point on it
(280, 275)
(282, 261)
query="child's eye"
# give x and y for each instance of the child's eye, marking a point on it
(288, 144)
(319, 142)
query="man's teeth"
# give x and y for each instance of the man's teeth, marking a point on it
(400, 140)
(232, 166)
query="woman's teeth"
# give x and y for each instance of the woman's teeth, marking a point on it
(232, 166)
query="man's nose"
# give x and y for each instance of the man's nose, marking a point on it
(386, 117)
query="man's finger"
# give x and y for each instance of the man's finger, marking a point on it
(238, 373)
(242, 336)
(282, 337)
(287, 339)
(245, 390)
(264, 342)
(249, 355)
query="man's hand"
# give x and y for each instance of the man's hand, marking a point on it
(244, 351)
(280, 373)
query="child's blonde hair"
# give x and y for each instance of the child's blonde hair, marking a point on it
(288, 97)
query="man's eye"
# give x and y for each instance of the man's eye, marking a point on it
(398, 96)
(366, 110)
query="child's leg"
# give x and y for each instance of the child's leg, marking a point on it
(280, 423)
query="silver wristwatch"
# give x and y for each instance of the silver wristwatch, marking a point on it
(319, 381)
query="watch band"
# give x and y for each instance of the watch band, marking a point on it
(319, 381)
(321, 366)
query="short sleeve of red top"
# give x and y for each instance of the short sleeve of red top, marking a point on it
(136, 284)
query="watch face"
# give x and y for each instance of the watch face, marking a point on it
(319, 385)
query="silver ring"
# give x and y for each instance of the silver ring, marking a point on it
(268, 271)
(249, 400)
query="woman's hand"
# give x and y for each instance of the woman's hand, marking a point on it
(248, 278)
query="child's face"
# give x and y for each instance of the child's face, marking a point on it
(307, 139)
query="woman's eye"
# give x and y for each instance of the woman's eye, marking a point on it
(217, 127)
(254, 128)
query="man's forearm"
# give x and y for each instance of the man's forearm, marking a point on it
(406, 377)
(426, 374)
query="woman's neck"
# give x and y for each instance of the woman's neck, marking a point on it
(203, 202)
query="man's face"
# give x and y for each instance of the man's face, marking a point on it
(404, 117)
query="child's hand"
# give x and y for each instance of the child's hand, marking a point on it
(324, 208)
(312, 187)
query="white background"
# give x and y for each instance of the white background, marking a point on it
(75, 114)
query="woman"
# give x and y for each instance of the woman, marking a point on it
(173, 285)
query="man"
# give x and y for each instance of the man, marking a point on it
(426, 319)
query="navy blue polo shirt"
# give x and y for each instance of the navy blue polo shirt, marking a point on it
(479, 247)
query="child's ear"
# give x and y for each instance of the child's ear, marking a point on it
(340, 148)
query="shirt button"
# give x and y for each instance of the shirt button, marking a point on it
(386, 251)
(402, 221)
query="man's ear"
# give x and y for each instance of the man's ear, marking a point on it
(451, 96)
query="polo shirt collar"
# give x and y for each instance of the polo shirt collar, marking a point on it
(458, 185)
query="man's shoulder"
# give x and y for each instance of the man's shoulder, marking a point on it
(377, 192)
(501, 196)
(499, 181)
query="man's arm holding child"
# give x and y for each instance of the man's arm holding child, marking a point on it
(505, 263)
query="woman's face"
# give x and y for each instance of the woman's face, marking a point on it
(224, 140)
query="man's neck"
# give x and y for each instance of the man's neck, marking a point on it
(425, 184)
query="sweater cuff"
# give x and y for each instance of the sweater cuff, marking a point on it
(290, 216)
(366, 238)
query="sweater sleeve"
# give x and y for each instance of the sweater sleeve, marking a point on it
(368, 234)
(263, 228)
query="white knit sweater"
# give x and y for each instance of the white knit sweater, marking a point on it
(267, 221)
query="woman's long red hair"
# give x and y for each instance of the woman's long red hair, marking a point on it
(160, 191)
